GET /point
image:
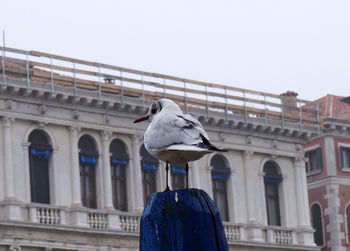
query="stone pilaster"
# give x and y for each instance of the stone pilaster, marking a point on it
(137, 175)
(305, 231)
(106, 170)
(75, 169)
(12, 207)
(335, 219)
(8, 165)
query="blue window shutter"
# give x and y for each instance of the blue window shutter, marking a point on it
(119, 161)
(37, 152)
(86, 159)
(149, 166)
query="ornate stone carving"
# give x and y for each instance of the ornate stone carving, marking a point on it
(248, 154)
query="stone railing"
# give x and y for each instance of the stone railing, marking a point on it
(97, 220)
(232, 231)
(130, 222)
(279, 235)
(127, 222)
(48, 215)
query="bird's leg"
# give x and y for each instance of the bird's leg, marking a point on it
(186, 169)
(167, 189)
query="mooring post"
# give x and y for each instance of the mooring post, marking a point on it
(186, 220)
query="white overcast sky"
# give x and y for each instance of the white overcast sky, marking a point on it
(264, 45)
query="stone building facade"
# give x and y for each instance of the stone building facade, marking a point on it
(73, 175)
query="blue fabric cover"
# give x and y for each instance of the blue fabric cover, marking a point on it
(272, 180)
(181, 220)
(149, 166)
(220, 176)
(119, 161)
(178, 169)
(88, 159)
(45, 153)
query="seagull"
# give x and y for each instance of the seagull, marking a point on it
(174, 137)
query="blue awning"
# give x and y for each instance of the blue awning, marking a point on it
(220, 176)
(149, 166)
(88, 159)
(272, 180)
(178, 169)
(119, 161)
(37, 152)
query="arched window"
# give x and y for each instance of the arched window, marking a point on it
(119, 163)
(316, 216)
(219, 175)
(178, 174)
(348, 222)
(272, 179)
(39, 155)
(88, 157)
(149, 166)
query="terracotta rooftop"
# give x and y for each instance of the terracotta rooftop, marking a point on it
(335, 106)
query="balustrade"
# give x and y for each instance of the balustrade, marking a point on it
(97, 220)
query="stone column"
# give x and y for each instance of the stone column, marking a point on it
(305, 230)
(194, 174)
(301, 192)
(250, 187)
(254, 228)
(75, 175)
(11, 209)
(8, 166)
(106, 170)
(137, 175)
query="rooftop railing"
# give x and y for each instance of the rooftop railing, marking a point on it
(209, 98)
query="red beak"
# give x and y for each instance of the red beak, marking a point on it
(141, 119)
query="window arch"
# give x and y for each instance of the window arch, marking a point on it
(348, 222)
(316, 216)
(88, 157)
(219, 175)
(149, 166)
(119, 161)
(272, 179)
(39, 155)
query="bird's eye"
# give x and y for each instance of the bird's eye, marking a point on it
(154, 109)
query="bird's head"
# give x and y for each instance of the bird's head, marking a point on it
(158, 106)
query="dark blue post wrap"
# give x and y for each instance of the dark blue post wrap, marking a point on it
(181, 220)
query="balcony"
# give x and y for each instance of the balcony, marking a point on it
(127, 223)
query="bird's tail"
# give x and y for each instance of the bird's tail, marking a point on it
(209, 146)
(216, 149)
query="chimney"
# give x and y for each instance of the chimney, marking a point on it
(290, 105)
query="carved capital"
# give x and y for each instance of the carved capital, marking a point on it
(248, 154)
(137, 138)
(7, 121)
(15, 247)
(299, 161)
(74, 130)
(106, 135)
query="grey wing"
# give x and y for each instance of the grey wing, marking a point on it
(174, 129)
(198, 125)
(192, 129)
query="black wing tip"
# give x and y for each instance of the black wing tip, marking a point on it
(206, 144)
(221, 150)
